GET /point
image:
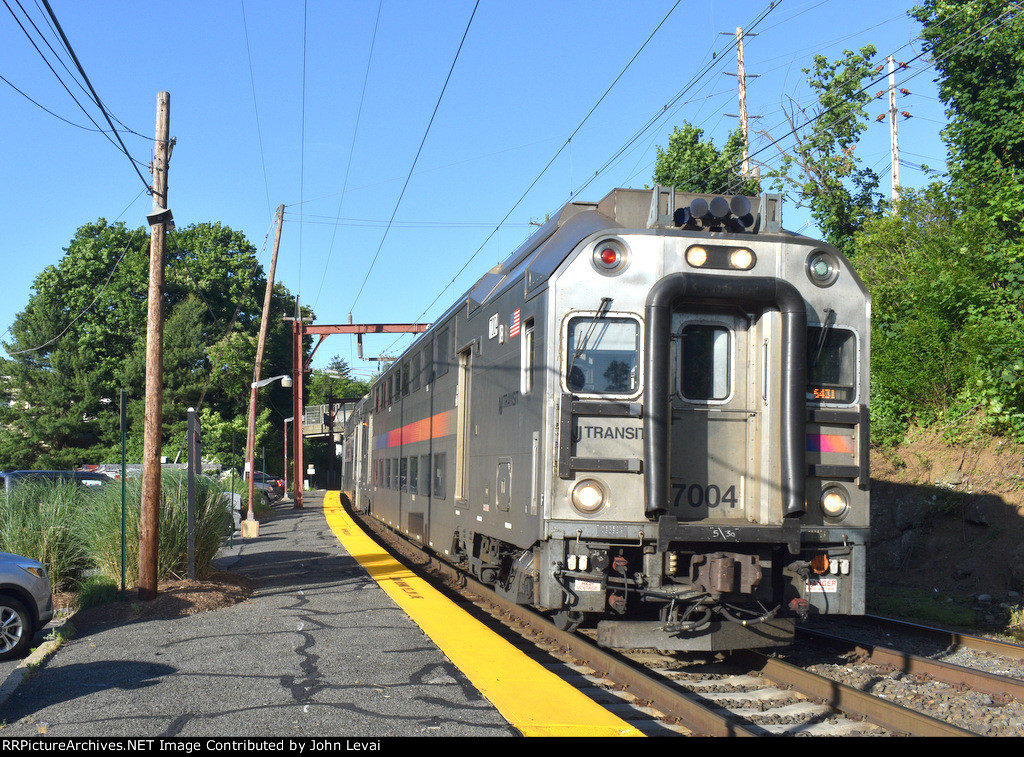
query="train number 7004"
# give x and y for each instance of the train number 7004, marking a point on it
(711, 495)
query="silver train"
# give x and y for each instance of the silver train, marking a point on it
(653, 416)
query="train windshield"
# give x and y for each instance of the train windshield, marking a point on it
(831, 364)
(603, 355)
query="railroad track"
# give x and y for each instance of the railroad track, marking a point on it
(665, 694)
(937, 666)
(885, 629)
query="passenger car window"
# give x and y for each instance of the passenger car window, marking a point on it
(441, 360)
(528, 358)
(414, 378)
(439, 487)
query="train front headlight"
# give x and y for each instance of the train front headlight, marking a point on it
(696, 256)
(588, 496)
(834, 502)
(741, 259)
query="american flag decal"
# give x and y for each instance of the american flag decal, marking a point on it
(513, 327)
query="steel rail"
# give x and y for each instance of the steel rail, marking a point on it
(916, 665)
(667, 700)
(686, 709)
(954, 638)
(888, 715)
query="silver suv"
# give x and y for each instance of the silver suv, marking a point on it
(26, 603)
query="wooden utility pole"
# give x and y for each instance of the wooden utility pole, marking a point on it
(893, 135)
(153, 435)
(250, 443)
(741, 81)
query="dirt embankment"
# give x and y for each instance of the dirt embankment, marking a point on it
(949, 518)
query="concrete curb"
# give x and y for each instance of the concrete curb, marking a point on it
(56, 636)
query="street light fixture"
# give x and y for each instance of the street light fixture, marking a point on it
(250, 451)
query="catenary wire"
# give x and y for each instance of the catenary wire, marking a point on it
(351, 149)
(255, 105)
(420, 150)
(647, 126)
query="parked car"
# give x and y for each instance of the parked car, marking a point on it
(26, 603)
(271, 486)
(85, 478)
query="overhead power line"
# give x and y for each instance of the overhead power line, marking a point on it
(95, 96)
(255, 106)
(544, 170)
(416, 159)
(352, 147)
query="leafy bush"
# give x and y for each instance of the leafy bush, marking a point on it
(947, 288)
(97, 590)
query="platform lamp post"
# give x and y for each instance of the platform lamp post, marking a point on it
(250, 447)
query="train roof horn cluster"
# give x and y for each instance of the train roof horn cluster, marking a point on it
(707, 212)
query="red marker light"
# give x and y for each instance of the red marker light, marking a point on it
(609, 257)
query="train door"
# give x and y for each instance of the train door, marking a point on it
(463, 435)
(720, 394)
(362, 453)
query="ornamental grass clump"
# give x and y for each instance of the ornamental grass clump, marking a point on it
(40, 519)
(212, 522)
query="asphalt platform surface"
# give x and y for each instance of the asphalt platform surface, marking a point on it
(319, 650)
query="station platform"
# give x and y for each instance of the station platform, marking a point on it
(339, 640)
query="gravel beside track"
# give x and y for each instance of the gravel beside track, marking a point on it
(984, 714)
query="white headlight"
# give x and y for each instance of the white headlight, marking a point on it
(834, 502)
(696, 256)
(588, 496)
(741, 258)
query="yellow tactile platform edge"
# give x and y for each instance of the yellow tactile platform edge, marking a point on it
(533, 699)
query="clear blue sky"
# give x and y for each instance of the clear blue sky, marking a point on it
(282, 103)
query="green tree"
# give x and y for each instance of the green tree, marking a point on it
(81, 338)
(925, 293)
(335, 382)
(822, 165)
(947, 276)
(978, 49)
(693, 164)
(947, 336)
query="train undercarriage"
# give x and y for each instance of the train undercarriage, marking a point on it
(686, 596)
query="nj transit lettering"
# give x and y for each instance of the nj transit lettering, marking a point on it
(609, 432)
